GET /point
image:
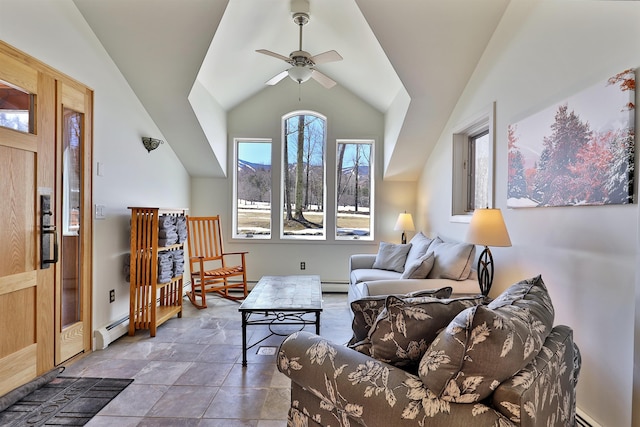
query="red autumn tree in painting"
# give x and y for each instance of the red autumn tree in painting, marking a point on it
(578, 164)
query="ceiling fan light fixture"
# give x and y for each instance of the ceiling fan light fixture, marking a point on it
(300, 74)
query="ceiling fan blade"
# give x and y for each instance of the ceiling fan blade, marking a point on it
(323, 79)
(275, 55)
(276, 79)
(328, 56)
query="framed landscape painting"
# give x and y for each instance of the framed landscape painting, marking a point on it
(577, 152)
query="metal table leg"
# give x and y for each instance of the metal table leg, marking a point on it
(245, 317)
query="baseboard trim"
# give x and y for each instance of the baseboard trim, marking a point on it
(584, 420)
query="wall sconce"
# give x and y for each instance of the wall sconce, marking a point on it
(151, 143)
(487, 228)
(404, 223)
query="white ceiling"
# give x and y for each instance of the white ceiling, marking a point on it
(427, 47)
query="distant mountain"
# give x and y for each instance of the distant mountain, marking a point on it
(244, 166)
(362, 170)
(251, 167)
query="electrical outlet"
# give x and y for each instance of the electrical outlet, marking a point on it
(303, 265)
(112, 295)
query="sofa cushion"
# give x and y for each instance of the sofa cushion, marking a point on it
(419, 246)
(485, 345)
(370, 274)
(391, 256)
(452, 260)
(365, 311)
(405, 327)
(419, 268)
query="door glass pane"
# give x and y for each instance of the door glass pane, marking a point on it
(16, 108)
(71, 198)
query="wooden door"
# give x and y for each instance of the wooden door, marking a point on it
(27, 171)
(45, 235)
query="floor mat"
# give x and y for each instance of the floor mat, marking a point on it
(69, 401)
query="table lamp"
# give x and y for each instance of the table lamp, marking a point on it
(404, 223)
(487, 228)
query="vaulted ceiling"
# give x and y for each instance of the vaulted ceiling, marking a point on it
(410, 59)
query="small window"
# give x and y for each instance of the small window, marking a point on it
(252, 189)
(16, 108)
(472, 180)
(354, 190)
(478, 171)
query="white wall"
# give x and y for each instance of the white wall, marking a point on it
(541, 53)
(347, 117)
(55, 33)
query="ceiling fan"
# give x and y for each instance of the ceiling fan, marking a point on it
(302, 63)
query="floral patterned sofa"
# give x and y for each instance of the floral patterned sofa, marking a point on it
(497, 363)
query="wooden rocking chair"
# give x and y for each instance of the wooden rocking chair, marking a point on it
(210, 269)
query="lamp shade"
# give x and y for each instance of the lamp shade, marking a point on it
(487, 228)
(300, 73)
(404, 222)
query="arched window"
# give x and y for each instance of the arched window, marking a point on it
(303, 176)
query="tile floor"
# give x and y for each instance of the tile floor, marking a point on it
(191, 374)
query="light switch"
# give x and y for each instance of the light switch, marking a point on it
(99, 212)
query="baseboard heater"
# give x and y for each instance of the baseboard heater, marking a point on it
(583, 420)
(327, 286)
(108, 334)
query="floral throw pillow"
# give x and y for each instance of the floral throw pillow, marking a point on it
(366, 311)
(405, 327)
(486, 344)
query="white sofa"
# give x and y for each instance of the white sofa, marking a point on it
(451, 267)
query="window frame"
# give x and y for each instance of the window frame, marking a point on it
(370, 237)
(462, 183)
(471, 169)
(234, 216)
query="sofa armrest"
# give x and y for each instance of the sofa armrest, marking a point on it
(358, 261)
(347, 384)
(545, 389)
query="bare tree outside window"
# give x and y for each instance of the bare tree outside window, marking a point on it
(478, 171)
(354, 189)
(304, 175)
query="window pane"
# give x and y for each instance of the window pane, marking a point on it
(481, 164)
(72, 134)
(304, 177)
(253, 189)
(354, 192)
(16, 108)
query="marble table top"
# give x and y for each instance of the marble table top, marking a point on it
(285, 293)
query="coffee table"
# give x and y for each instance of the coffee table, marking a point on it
(281, 300)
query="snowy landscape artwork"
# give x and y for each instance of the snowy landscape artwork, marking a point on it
(577, 152)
